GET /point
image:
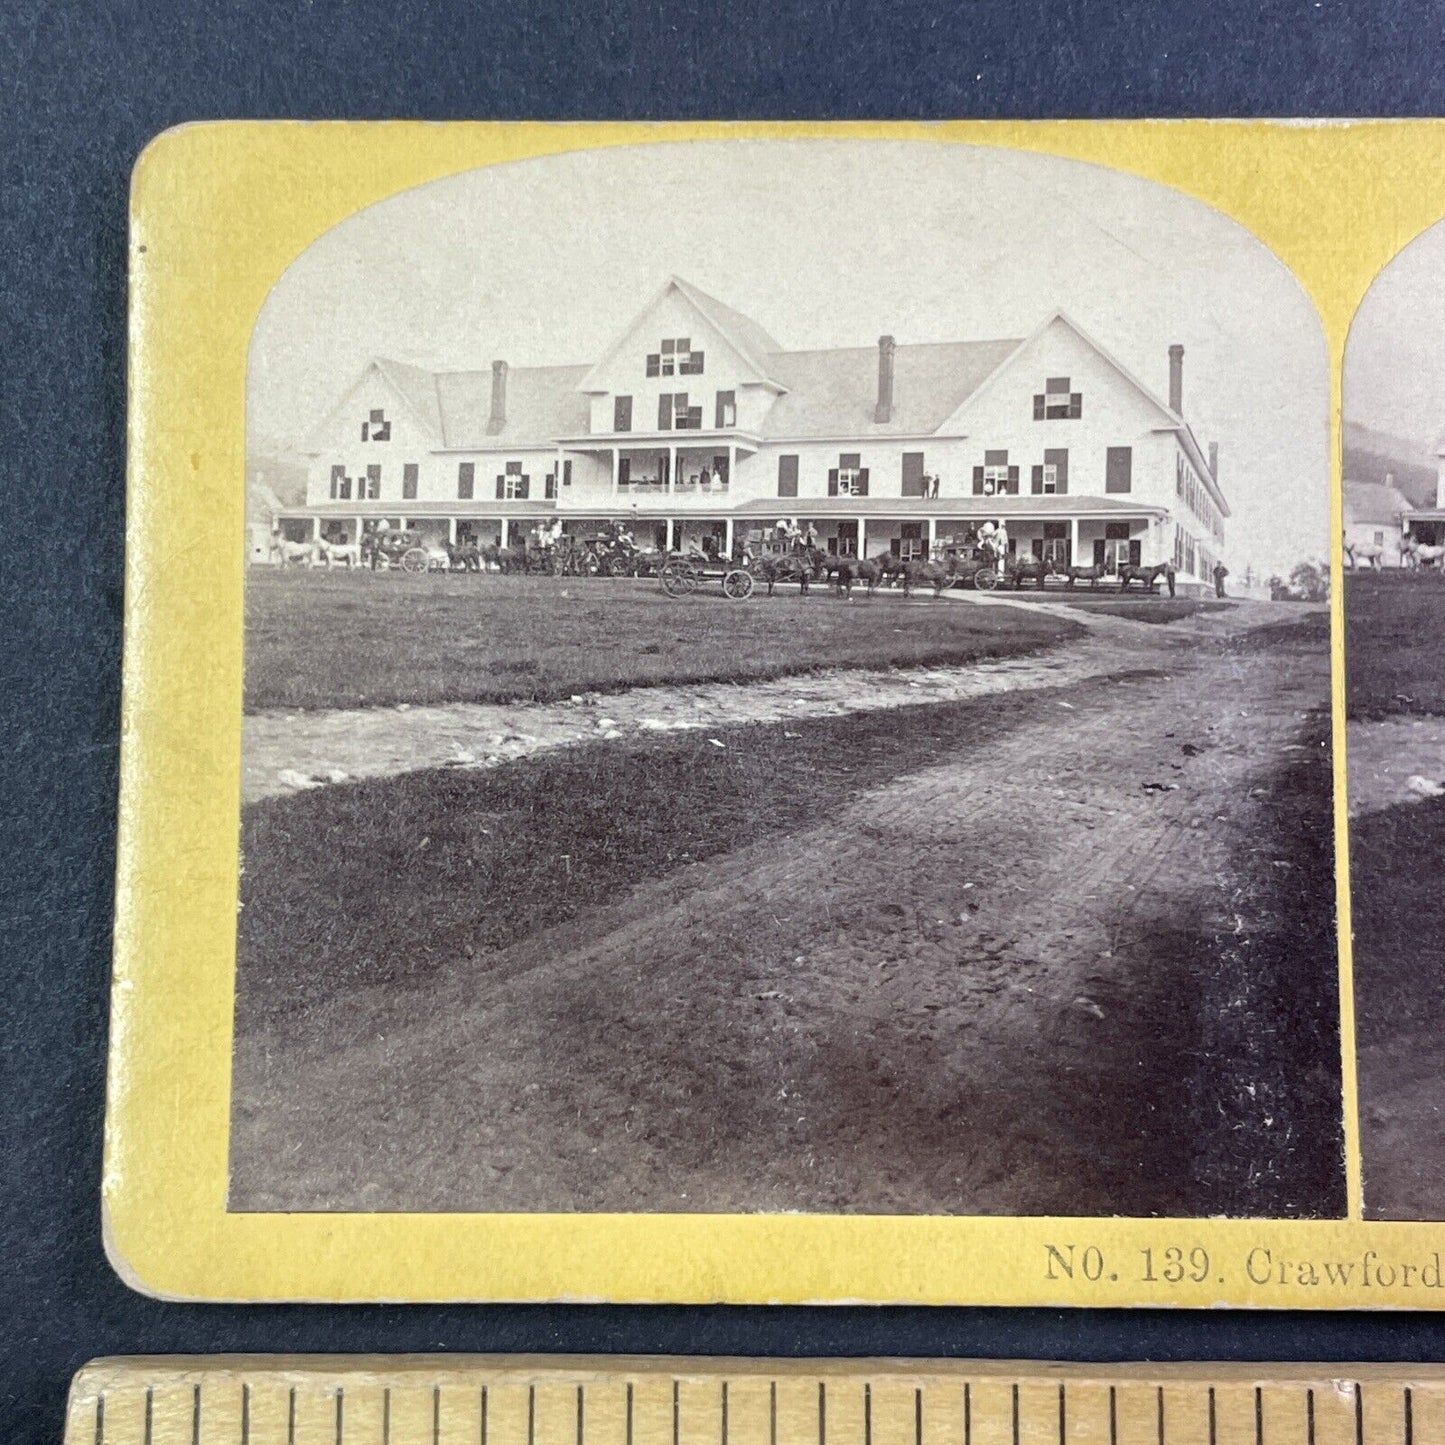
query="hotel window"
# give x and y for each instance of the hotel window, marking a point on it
(621, 413)
(1119, 470)
(673, 411)
(408, 481)
(788, 475)
(567, 472)
(1053, 476)
(372, 484)
(338, 480)
(466, 481)
(727, 409)
(549, 486)
(675, 357)
(1056, 402)
(624, 471)
(849, 478)
(513, 485)
(913, 482)
(376, 428)
(995, 477)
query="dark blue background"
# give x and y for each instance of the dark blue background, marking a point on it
(82, 88)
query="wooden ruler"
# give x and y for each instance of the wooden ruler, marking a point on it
(526, 1400)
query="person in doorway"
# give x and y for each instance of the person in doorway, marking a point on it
(1000, 540)
(1220, 573)
(933, 482)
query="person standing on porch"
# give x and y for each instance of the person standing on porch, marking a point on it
(1000, 540)
(1220, 573)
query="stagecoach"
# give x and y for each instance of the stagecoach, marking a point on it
(970, 564)
(382, 550)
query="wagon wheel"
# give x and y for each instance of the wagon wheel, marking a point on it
(677, 580)
(985, 579)
(415, 559)
(738, 584)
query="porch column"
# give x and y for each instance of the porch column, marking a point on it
(931, 527)
(732, 464)
(672, 467)
(862, 537)
(669, 545)
(452, 531)
(360, 530)
(316, 529)
(1074, 543)
(557, 487)
(616, 457)
(728, 538)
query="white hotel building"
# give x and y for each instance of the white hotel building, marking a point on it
(697, 424)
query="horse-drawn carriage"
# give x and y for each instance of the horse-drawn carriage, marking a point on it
(383, 550)
(681, 574)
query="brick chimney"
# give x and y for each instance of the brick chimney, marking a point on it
(1214, 460)
(1176, 379)
(884, 410)
(498, 418)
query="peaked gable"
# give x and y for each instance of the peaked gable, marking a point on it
(751, 345)
(414, 388)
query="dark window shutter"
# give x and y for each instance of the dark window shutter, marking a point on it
(1037, 545)
(621, 413)
(408, 481)
(502, 487)
(567, 472)
(1134, 552)
(1098, 551)
(1076, 405)
(653, 364)
(524, 487)
(912, 474)
(788, 476)
(978, 481)
(1036, 480)
(1013, 479)
(366, 431)
(862, 483)
(1038, 406)
(466, 480)
(832, 481)
(1119, 468)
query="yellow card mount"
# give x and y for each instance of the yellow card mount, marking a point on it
(536, 1400)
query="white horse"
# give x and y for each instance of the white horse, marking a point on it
(348, 554)
(1372, 554)
(287, 552)
(1418, 554)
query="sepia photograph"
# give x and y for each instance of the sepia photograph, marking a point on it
(794, 676)
(1394, 543)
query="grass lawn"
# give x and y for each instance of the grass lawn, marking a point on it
(1141, 609)
(335, 640)
(1394, 643)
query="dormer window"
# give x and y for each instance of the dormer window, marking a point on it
(675, 357)
(1056, 402)
(376, 428)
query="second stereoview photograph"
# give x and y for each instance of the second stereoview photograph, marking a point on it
(795, 676)
(1394, 548)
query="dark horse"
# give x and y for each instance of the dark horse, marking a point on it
(1091, 575)
(1029, 569)
(799, 567)
(843, 572)
(892, 569)
(1148, 577)
(922, 573)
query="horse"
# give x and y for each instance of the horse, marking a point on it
(1419, 554)
(774, 567)
(1091, 575)
(464, 556)
(1024, 569)
(923, 573)
(1371, 553)
(892, 568)
(348, 554)
(843, 572)
(1147, 576)
(287, 552)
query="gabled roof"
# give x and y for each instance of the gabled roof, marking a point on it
(833, 393)
(753, 345)
(543, 403)
(1374, 503)
(417, 387)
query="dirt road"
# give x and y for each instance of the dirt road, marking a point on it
(1079, 962)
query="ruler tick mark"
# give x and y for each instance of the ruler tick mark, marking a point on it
(1309, 1417)
(676, 1413)
(918, 1417)
(150, 1410)
(579, 1415)
(196, 1416)
(1258, 1416)
(483, 1417)
(1212, 1440)
(724, 1434)
(772, 1413)
(822, 1413)
(246, 1413)
(1409, 1417)
(1159, 1414)
(436, 1415)
(867, 1413)
(291, 1417)
(1063, 1418)
(532, 1416)
(1016, 1415)
(1359, 1414)
(967, 1413)
(386, 1416)
(100, 1420)
(1113, 1418)
(629, 1414)
(340, 1412)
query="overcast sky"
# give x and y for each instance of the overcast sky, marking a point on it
(1395, 356)
(824, 243)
